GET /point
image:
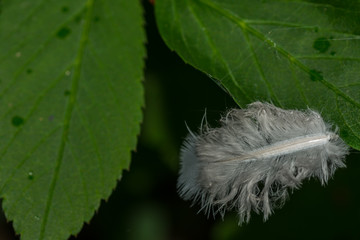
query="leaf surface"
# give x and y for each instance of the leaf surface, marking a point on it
(297, 54)
(71, 98)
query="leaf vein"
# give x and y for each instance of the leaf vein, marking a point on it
(32, 111)
(344, 120)
(261, 72)
(297, 84)
(25, 20)
(288, 25)
(216, 53)
(28, 155)
(83, 182)
(68, 114)
(31, 58)
(282, 51)
(95, 145)
(329, 58)
(181, 29)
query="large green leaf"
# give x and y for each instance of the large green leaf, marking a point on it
(293, 53)
(71, 98)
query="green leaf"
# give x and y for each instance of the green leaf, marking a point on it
(71, 98)
(293, 53)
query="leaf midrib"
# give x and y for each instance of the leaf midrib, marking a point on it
(245, 27)
(68, 114)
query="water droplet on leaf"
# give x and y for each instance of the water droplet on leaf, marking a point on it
(321, 44)
(63, 32)
(65, 9)
(17, 121)
(315, 75)
(31, 175)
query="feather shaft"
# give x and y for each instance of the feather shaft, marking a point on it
(284, 147)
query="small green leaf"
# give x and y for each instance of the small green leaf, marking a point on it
(71, 98)
(297, 54)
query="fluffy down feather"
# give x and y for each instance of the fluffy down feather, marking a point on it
(255, 156)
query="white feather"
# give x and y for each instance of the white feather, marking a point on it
(255, 156)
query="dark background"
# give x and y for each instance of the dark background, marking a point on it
(145, 204)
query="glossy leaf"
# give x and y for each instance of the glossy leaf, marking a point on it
(71, 98)
(297, 54)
